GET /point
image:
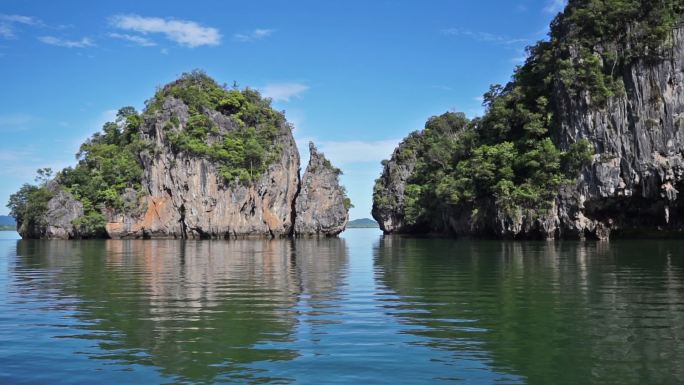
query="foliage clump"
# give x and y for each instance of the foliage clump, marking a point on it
(592, 41)
(458, 164)
(243, 153)
(108, 165)
(29, 205)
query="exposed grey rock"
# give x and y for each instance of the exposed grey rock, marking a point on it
(388, 201)
(638, 170)
(320, 207)
(62, 210)
(187, 198)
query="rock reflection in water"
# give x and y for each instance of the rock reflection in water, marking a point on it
(571, 312)
(197, 310)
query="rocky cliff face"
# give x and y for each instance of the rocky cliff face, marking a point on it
(638, 170)
(388, 201)
(185, 195)
(62, 210)
(320, 208)
(634, 181)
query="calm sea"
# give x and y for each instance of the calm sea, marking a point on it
(362, 309)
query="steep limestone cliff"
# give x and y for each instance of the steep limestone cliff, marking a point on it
(637, 174)
(321, 208)
(624, 101)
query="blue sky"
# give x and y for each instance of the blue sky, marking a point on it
(353, 76)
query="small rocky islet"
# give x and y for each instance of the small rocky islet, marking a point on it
(202, 161)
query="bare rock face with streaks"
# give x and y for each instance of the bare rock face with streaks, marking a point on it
(62, 210)
(637, 174)
(188, 199)
(321, 208)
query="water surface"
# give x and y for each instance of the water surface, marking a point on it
(363, 308)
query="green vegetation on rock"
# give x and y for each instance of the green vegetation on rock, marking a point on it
(108, 166)
(29, 205)
(456, 163)
(593, 40)
(242, 154)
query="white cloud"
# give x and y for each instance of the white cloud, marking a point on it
(105, 117)
(520, 58)
(555, 6)
(23, 163)
(6, 31)
(12, 155)
(73, 143)
(183, 32)
(352, 151)
(20, 19)
(8, 22)
(442, 87)
(19, 172)
(283, 92)
(15, 119)
(484, 36)
(257, 34)
(82, 43)
(15, 122)
(138, 40)
(297, 119)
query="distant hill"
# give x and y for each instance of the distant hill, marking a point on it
(362, 223)
(6, 220)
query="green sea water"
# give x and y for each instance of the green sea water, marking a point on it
(365, 308)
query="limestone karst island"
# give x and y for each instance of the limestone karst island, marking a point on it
(587, 139)
(352, 192)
